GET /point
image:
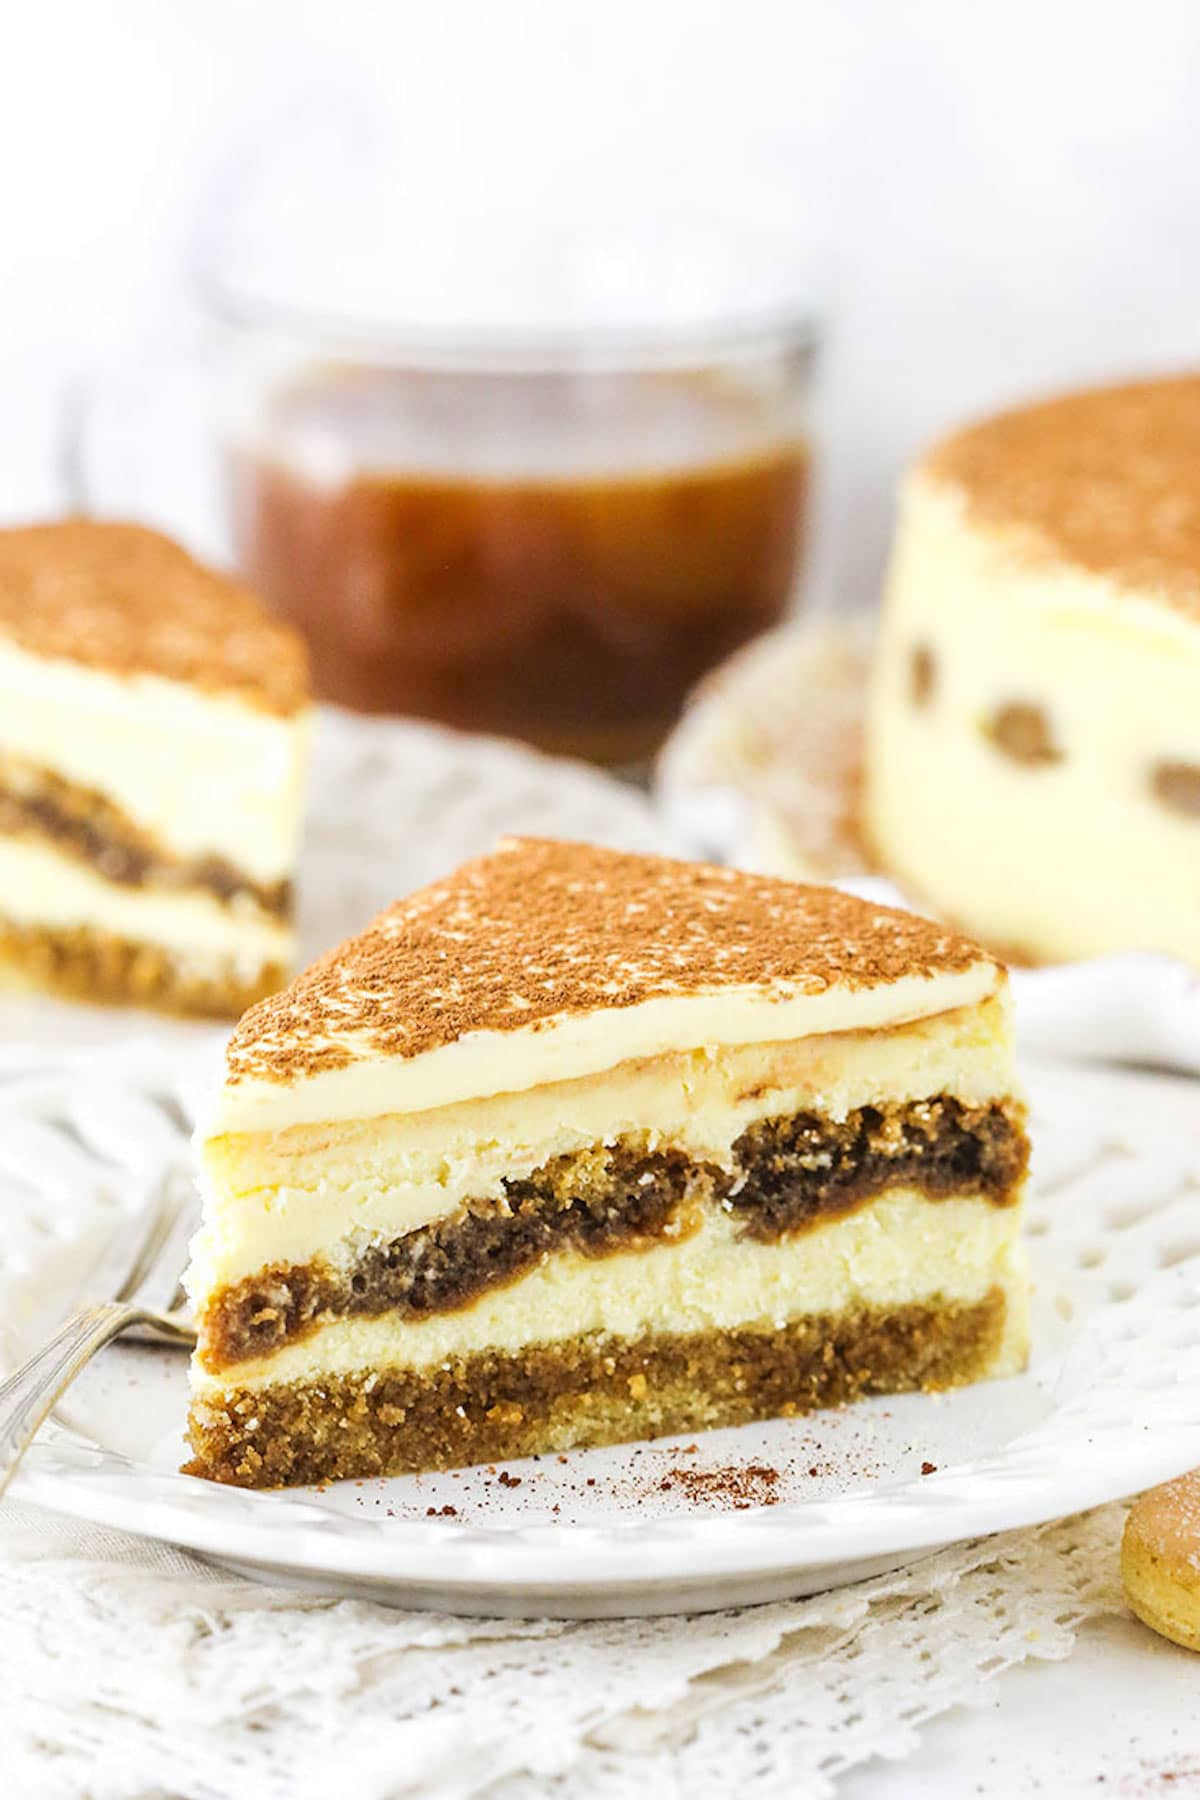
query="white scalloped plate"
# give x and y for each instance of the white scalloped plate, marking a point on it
(1110, 1404)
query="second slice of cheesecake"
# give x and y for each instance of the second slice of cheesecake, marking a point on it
(576, 1146)
(154, 722)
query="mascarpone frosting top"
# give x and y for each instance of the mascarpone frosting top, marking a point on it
(544, 961)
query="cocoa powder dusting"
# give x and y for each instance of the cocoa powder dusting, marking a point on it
(539, 930)
(128, 601)
(739, 1486)
(1177, 785)
(1108, 480)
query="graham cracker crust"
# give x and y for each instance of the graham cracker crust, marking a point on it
(78, 963)
(789, 1174)
(585, 1391)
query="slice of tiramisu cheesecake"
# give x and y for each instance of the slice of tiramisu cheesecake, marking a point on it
(153, 721)
(576, 1146)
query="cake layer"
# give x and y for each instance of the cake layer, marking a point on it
(82, 823)
(49, 892)
(894, 1249)
(291, 1196)
(785, 1176)
(594, 1389)
(548, 961)
(1034, 745)
(79, 963)
(173, 758)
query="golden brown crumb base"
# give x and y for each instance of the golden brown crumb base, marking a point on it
(586, 1391)
(78, 963)
(788, 1175)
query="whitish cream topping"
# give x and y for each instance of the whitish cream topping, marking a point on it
(204, 773)
(1030, 575)
(484, 1063)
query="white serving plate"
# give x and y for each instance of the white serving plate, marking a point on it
(1110, 1404)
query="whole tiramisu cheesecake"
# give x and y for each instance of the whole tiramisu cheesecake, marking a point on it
(576, 1146)
(1033, 745)
(153, 722)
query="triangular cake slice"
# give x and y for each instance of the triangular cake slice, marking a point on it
(153, 726)
(575, 1147)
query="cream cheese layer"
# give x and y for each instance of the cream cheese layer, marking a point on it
(1070, 856)
(896, 1251)
(203, 774)
(331, 1189)
(39, 887)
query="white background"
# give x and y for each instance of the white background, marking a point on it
(1006, 192)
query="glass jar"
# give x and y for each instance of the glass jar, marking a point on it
(547, 534)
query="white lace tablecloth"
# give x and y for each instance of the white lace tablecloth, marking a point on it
(130, 1671)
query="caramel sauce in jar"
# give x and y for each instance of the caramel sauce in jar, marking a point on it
(557, 557)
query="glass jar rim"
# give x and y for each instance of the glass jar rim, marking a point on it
(533, 347)
(702, 288)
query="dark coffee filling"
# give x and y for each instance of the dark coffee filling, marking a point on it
(788, 1174)
(1177, 785)
(1024, 733)
(922, 675)
(805, 1168)
(99, 833)
(598, 1203)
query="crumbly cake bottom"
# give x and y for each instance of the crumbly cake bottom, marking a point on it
(586, 1391)
(79, 963)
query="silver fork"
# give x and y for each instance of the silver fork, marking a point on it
(149, 1300)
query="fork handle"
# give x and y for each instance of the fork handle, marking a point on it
(30, 1394)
